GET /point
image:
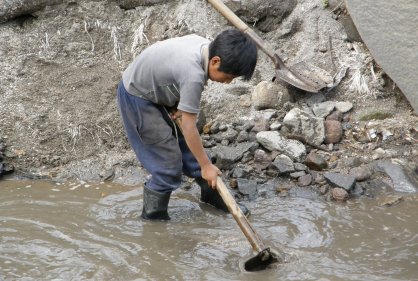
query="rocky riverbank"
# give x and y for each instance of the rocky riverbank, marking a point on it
(61, 64)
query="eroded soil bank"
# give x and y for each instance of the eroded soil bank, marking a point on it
(61, 64)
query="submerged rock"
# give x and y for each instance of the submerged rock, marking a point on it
(390, 200)
(247, 187)
(404, 180)
(339, 194)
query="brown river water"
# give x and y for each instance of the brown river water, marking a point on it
(91, 231)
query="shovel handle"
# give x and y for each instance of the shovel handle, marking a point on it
(249, 232)
(241, 26)
(242, 221)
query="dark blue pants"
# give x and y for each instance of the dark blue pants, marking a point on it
(151, 133)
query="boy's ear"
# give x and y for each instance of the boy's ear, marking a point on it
(215, 61)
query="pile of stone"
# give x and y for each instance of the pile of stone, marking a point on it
(288, 141)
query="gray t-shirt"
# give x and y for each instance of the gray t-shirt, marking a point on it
(170, 71)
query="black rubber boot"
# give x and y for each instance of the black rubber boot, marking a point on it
(155, 205)
(211, 196)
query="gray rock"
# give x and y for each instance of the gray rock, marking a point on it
(304, 124)
(323, 189)
(266, 15)
(261, 159)
(215, 127)
(323, 109)
(209, 143)
(242, 136)
(275, 126)
(284, 164)
(357, 191)
(316, 161)
(261, 119)
(361, 173)
(403, 178)
(272, 140)
(315, 98)
(305, 180)
(351, 162)
(225, 142)
(223, 128)
(269, 95)
(241, 171)
(300, 167)
(296, 175)
(304, 192)
(229, 135)
(343, 106)
(247, 126)
(247, 187)
(339, 180)
(227, 156)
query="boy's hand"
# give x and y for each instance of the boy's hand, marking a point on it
(210, 173)
(175, 114)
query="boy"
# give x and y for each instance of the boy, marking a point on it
(169, 75)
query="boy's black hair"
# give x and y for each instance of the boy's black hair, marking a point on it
(238, 53)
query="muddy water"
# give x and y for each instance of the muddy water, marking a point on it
(80, 231)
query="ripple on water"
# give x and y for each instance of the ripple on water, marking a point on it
(92, 232)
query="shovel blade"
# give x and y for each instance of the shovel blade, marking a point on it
(305, 76)
(263, 260)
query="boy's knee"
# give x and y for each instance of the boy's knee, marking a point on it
(166, 180)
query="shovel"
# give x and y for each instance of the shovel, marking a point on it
(301, 75)
(265, 255)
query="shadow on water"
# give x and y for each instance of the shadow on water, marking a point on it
(84, 231)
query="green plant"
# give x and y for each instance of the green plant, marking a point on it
(376, 116)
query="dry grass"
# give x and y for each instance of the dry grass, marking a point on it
(96, 133)
(106, 26)
(138, 39)
(363, 77)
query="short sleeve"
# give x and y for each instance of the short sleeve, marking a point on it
(190, 94)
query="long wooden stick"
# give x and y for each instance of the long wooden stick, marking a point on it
(249, 232)
(242, 221)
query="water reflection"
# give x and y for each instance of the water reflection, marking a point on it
(84, 231)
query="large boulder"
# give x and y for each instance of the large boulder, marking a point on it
(389, 29)
(10, 9)
(265, 14)
(269, 95)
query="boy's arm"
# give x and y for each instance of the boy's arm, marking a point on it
(194, 142)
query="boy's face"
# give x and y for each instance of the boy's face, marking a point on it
(215, 74)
